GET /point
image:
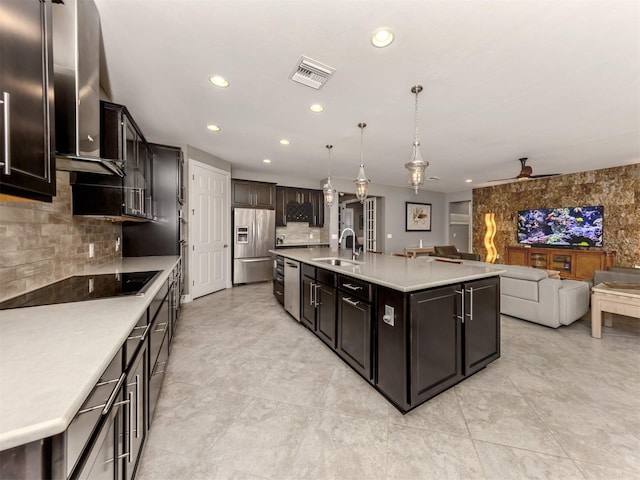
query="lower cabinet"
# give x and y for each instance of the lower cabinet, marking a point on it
(430, 340)
(354, 333)
(481, 324)
(106, 437)
(135, 393)
(436, 336)
(319, 303)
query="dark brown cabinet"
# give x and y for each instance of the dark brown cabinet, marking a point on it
(428, 341)
(278, 278)
(27, 153)
(319, 301)
(436, 336)
(128, 197)
(481, 324)
(354, 333)
(312, 199)
(249, 194)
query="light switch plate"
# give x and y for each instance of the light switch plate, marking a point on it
(389, 315)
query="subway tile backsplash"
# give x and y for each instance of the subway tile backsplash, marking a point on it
(300, 232)
(41, 243)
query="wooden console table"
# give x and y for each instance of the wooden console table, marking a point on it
(413, 252)
(608, 300)
(572, 264)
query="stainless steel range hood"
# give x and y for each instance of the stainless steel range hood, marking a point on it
(76, 69)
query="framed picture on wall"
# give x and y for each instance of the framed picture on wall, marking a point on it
(418, 217)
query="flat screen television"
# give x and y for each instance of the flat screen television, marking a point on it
(561, 227)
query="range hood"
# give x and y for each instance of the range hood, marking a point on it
(76, 70)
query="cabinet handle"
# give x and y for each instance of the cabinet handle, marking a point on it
(159, 325)
(350, 302)
(6, 98)
(311, 299)
(318, 302)
(353, 287)
(143, 336)
(138, 402)
(470, 314)
(130, 427)
(128, 454)
(461, 317)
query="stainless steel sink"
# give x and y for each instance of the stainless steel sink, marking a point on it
(337, 262)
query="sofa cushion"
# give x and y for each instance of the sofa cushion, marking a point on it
(573, 300)
(515, 287)
(523, 273)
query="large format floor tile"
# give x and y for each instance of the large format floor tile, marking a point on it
(251, 394)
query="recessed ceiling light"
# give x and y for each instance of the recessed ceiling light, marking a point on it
(213, 128)
(266, 160)
(284, 141)
(316, 107)
(382, 37)
(219, 81)
(468, 180)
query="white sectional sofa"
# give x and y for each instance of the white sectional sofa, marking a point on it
(530, 294)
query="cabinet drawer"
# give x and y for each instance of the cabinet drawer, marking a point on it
(355, 287)
(90, 413)
(159, 327)
(326, 277)
(136, 338)
(309, 271)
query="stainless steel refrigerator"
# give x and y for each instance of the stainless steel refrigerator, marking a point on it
(254, 232)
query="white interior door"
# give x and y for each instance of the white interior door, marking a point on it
(370, 242)
(208, 232)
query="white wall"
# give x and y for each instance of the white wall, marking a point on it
(393, 215)
(466, 195)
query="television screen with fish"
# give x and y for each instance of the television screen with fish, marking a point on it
(561, 227)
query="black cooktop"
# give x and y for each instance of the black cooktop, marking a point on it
(84, 287)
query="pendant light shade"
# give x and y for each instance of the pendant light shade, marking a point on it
(328, 190)
(416, 166)
(362, 182)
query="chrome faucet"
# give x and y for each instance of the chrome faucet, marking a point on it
(354, 254)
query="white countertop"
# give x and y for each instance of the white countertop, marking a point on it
(51, 356)
(398, 273)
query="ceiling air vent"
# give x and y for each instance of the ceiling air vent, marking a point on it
(311, 73)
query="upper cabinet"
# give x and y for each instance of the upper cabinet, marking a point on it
(249, 194)
(126, 198)
(27, 153)
(299, 205)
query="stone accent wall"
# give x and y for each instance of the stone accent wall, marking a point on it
(618, 189)
(41, 243)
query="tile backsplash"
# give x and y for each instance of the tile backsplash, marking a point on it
(41, 243)
(300, 232)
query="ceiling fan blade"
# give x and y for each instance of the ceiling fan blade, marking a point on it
(502, 179)
(546, 175)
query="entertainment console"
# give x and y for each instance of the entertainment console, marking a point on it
(572, 264)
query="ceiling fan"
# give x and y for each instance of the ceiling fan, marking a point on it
(526, 173)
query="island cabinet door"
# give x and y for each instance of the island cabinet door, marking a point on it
(436, 340)
(326, 318)
(354, 333)
(308, 310)
(482, 323)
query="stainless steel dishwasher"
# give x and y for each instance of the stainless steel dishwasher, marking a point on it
(292, 288)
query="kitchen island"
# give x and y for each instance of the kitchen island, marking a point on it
(411, 327)
(52, 359)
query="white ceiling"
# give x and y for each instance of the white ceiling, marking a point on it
(556, 81)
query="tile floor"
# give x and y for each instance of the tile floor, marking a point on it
(251, 394)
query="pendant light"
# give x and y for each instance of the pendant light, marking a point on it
(362, 182)
(328, 190)
(416, 165)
